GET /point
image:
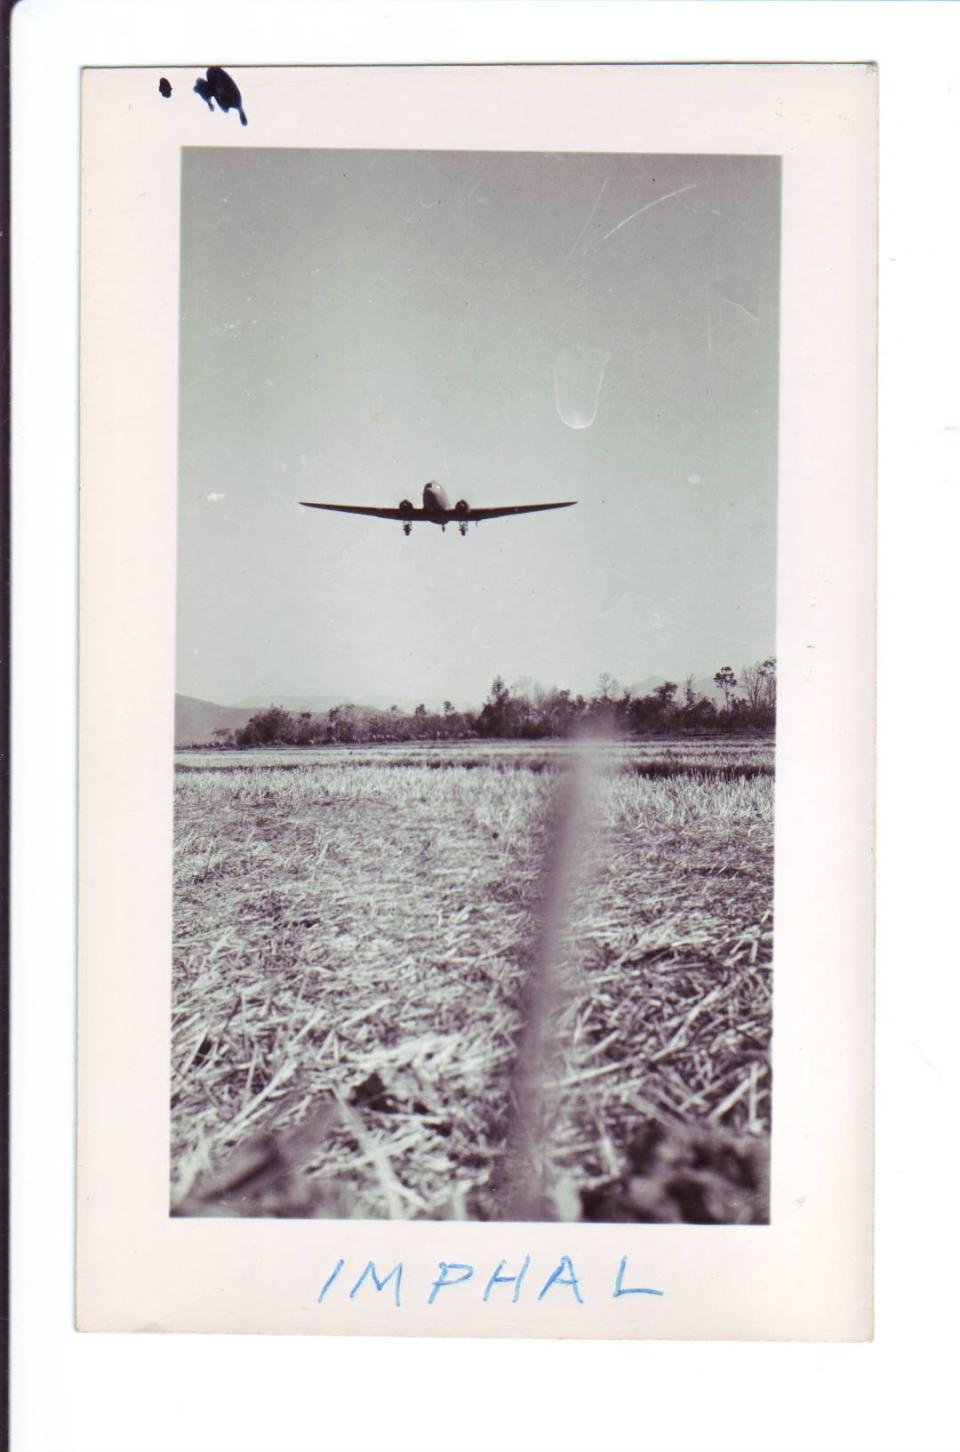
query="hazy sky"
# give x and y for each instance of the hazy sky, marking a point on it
(520, 327)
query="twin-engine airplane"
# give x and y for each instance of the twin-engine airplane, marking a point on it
(437, 510)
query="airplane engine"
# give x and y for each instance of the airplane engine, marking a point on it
(405, 506)
(461, 507)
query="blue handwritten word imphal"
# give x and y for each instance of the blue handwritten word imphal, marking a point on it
(454, 1274)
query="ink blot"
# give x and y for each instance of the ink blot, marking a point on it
(166, 90)
(221, 88)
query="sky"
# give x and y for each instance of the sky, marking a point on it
(523, 328)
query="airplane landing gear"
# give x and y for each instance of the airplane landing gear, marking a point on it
(407, 527)
(463, 526)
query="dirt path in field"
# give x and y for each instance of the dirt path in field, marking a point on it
(360, 941)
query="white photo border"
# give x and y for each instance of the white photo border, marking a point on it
(866, 1395)
(806, 1275)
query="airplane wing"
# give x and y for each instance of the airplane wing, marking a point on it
(479, 514)
(365, 509)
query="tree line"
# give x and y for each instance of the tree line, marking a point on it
(528, 712)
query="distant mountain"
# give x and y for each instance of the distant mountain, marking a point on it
(705, 687)
(195, 720)
(318, 704)
(647, 686)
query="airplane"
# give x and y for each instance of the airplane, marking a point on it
(437, 510)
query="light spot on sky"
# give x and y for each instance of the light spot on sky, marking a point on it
(214, 498)
(693, 478)
(577, 381)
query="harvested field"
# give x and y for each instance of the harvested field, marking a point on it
(736, 756)
(354, 936)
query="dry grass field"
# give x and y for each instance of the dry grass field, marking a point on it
(355, 931)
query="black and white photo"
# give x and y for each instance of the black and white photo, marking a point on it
(473, 883)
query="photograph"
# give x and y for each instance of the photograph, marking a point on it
(462, 948)
(476, 684)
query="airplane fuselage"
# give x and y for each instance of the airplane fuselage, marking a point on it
(436, 504)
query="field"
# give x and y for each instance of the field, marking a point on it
(391, 999)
